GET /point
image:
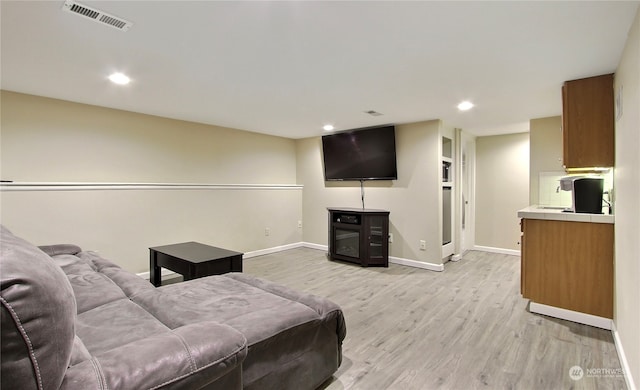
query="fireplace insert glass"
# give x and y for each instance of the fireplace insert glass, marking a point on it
(347, 242)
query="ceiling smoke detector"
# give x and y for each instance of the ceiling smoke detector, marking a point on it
(97, 15)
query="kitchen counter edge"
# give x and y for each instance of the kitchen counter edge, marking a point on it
(536, 212)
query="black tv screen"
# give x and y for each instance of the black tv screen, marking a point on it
(360, 154)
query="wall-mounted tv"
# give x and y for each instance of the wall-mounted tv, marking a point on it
(360, 154)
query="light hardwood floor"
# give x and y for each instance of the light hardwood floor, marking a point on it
(465, 328)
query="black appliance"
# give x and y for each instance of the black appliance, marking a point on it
(586, 193)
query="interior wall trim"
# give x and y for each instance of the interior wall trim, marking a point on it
(392, 259)
(503, 251)
(416, 264)
(94, 186)
(271, 250)
(320, 247)
(570, 315)
(623, 358)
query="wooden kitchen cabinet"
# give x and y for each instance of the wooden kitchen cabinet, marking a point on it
(588, 122)
(568, 265)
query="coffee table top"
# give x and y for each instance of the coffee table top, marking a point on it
(195, 252)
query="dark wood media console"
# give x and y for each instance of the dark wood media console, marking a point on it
(359, 236)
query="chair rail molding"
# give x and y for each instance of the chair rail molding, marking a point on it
(97, 186)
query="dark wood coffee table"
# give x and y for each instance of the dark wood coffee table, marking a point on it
(192, 260)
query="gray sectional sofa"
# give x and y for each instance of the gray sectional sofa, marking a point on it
(74, 320)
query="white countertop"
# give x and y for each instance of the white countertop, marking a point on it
(537, 212)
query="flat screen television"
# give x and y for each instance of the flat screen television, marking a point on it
(360, 154)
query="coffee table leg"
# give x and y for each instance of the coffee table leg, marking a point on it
(190, 274)
(154, 270)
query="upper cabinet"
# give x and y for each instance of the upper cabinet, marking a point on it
(587, 122)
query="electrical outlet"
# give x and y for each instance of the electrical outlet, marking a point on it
(390, 238)
(299, 224)
(267, 231)
(423, 245)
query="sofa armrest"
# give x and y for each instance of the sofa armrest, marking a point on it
(192, 356)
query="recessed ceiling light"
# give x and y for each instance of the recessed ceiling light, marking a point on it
(119, 78)
(328, 127)
(464, 106)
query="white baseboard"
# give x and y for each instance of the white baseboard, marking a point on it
(416, 264)
(394, 260)
(274, 249)
(623, 358)
(570, 315)
(315, 246)
(502, 251)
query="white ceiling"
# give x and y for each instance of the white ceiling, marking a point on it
(288, 68)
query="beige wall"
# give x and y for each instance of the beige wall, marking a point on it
(54, 140)
(545, 140)
(48, 140)
(502, 188)
(627, 186)
(413, 199)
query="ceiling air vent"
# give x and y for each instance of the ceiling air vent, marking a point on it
(96, 15)
(373, 113)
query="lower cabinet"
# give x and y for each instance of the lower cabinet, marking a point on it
(359, 236)
(568, 265)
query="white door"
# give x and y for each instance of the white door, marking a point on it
(467, 183)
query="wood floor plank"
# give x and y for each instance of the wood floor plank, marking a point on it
(465, 328)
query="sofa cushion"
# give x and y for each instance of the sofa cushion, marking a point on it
(294, 338)
(129, 283)
(115, 324)
(255, 313)
(96, 281)
(38, 315)
(92, 289)
(204, 355)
